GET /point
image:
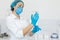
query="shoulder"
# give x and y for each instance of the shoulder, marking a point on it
(9, 19)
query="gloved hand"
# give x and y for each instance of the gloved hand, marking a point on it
(36, 29)
(34, 18)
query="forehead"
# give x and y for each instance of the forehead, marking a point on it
(20, 4)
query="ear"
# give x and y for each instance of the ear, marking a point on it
(15, 7)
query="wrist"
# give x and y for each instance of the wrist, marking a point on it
(32, 25)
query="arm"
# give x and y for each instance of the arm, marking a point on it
(27, 29)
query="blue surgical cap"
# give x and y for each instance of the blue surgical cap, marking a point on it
(15, 2)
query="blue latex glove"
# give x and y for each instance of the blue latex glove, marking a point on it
(34, 18)
(36, 29)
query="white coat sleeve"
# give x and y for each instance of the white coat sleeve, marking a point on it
(14, 30)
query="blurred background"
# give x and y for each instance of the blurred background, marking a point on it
(49, 11)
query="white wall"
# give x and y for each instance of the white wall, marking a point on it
(48, 9)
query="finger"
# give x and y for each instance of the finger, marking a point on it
(36, 16)
(31, 16)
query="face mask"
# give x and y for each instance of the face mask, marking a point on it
(19, 10)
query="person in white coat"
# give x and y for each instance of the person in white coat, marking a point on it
(18, 27)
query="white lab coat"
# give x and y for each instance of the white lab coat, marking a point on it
(15, 27)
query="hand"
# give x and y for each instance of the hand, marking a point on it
(36, 29)
(34, 18)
